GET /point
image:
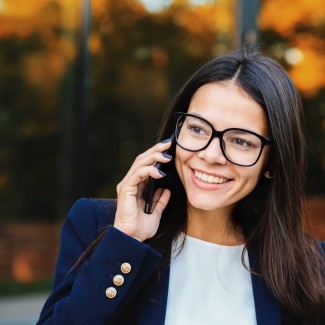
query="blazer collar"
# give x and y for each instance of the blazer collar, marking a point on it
(267, 308)
(152, 308)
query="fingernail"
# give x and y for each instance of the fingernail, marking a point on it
(161, 172)
(166, 140)
(166, 155)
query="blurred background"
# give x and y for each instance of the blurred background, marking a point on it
(83, 85)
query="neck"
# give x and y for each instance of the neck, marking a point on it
(213, 226)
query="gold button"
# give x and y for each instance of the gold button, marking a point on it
(118, 280)
(111, 292)
(126, 268)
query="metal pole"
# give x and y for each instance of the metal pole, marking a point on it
(74, 117)
(247, 13)
(82, 108)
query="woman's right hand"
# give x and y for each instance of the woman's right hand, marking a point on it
(130, 217)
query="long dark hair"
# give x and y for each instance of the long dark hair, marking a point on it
(272, 215)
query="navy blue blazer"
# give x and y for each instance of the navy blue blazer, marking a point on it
(80, 297)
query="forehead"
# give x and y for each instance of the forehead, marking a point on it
(226, 105)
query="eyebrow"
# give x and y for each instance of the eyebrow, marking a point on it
(235, 127)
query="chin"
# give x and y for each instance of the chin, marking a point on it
(204, 204)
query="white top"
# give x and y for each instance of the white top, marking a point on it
(209, 285)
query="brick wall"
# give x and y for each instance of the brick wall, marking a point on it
(316, 217)
(28, 250)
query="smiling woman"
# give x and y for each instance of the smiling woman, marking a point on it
(230, 212)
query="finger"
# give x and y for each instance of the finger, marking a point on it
(162, 202)
(150, 156)
(159, 147)
(153, 155)
(141, 174)
(156, 158)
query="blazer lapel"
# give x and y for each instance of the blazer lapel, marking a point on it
(267, 308)
(154, 303)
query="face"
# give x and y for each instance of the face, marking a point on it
(224, 105)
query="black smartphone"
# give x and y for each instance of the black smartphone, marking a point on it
(155, 187)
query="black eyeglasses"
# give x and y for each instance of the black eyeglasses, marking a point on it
(239, 146)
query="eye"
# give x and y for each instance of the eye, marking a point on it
(243, 143)
(241, 139)
(197, 130)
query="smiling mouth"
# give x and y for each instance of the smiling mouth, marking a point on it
(210, 178)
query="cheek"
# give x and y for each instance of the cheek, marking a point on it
(255, 178)
(181, 158)
(178, 164)
(254, 174)
(178, 167)
(265, 158)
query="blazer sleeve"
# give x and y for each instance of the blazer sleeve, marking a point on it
(79, 297)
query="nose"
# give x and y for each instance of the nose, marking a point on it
(213, 153)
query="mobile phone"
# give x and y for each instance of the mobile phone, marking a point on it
(155, 186)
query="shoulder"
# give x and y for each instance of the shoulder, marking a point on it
(89, 217)
(100, 209)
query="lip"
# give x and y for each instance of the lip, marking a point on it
(209, 186)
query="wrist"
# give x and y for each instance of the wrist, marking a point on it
(127, 232)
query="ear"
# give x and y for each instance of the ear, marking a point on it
(269, 171)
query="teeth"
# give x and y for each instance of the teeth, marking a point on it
(209, 178)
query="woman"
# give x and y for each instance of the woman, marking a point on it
(224, 244)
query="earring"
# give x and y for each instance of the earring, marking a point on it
(268, 174)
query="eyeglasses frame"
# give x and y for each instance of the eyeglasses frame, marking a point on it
(219, 134)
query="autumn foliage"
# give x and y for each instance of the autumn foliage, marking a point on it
(139, 59)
